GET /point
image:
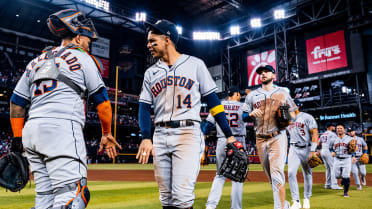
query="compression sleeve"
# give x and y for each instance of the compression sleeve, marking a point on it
(144, 116)
(218, 112)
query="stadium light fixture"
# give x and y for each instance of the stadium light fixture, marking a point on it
(179, 29)
(279, 14)
(140, 16)
(99, 4)
(235, 30)
(256, 22)
(206, 35)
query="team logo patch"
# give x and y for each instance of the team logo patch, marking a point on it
(230, 151)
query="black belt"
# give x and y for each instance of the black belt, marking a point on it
(176, 124)
(300, 146)
(341, 157)
(268, 136)
(239, 135)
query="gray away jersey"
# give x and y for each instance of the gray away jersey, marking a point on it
(268, 102)
(360, 144)
(341, 146)
(299, 131)
(234, 115)
(176, 92)
(326, 138)
(54, 99)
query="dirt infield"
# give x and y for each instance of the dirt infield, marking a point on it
(204, 176)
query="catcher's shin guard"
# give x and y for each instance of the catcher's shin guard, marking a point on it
(82, 196)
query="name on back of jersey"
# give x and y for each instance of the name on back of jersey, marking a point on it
(170, 80)
(232, 107)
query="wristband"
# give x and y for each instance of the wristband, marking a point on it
(365, 151)
(313, 146)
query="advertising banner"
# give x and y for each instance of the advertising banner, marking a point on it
(327, 52)
(257, 60)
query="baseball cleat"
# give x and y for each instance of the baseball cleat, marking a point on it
(209, 207)
(363, 180)
(327, 187)
(296, 204)
(306, 204)
(286, 205)
(346, 194)
(337, 188)
(359, 187)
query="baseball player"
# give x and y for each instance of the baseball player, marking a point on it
(358, 167)
(271, 140)
(343, 160)
(324, 141)
(55, 85)
(236, 117)
(175, 85)
(303, 134)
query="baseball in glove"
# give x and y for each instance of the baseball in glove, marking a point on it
(235, 165)
(364, 158)
(283, 117)
(314, 161)
(14, 171)
(353, 145)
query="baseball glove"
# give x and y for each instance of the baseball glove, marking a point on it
(364, 158)
(314, 161)
(235, 165)
(353, 145)
(14, 171)
(283, 117)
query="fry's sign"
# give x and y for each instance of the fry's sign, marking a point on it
(326, 52)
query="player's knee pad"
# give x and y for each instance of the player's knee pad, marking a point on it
(80, 201)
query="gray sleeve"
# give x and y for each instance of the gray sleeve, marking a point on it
(92, 76)
(363, 142)
(311, 122)
(290, 102)
(206, 82)
(145, 95)
(248, 104)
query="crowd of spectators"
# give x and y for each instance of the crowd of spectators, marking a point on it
(5, 141)
(122, 120)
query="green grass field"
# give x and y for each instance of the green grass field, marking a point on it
(144, 195)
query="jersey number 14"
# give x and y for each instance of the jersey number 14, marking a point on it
(186, 101)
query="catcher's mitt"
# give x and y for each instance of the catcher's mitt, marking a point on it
(235, 165)
(353, 145)
(14, 172)
(364, 158)
(314, 161)
(283, 117)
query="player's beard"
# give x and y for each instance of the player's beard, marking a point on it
(267, 81)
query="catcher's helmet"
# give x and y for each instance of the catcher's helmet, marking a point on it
(70, 21)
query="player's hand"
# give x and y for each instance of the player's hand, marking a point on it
(144, 151)
(109, 143)
(313, 154)
(257, 113)
(333, 154)
(230, 139)
(353, 160)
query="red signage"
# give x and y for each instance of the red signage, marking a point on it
(106, 67)
(257, 60)
(326, 52)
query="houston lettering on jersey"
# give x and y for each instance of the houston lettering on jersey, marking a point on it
(268, 101)
(341, 144)
(181, 81)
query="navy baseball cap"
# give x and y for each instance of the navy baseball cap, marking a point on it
(328, 124)
(350, 129)
(232, 90)
(167, 28)
(298, 103)
(265, 67)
